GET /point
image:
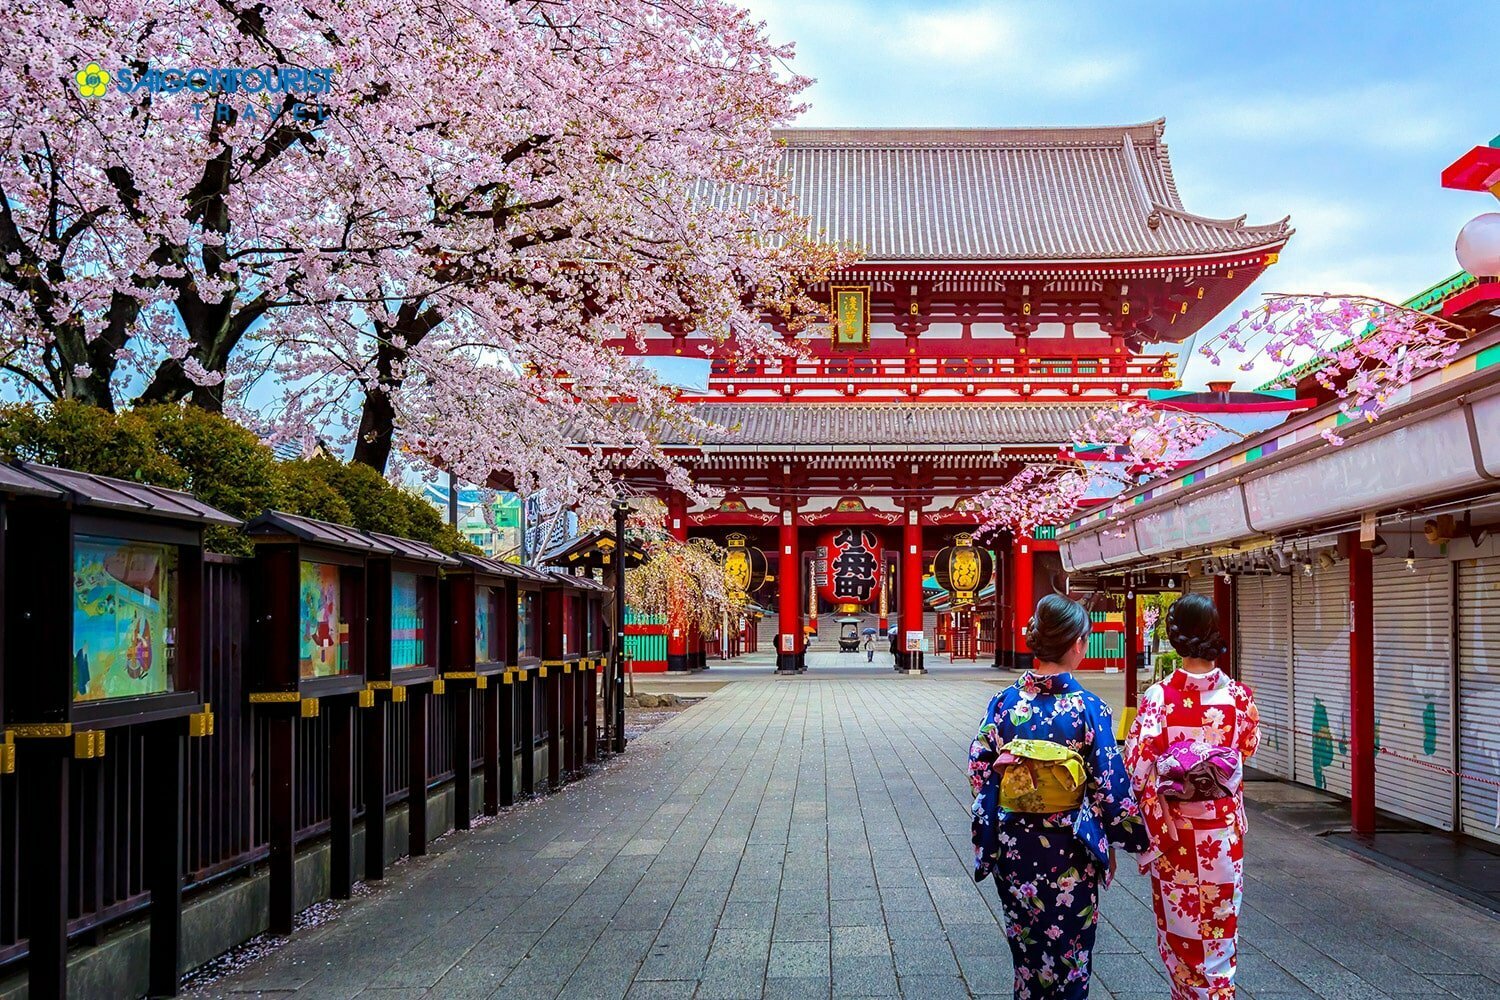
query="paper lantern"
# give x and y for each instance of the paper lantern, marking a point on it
(1478, 246)
(963, 570)
(848, 568)
(744, 565)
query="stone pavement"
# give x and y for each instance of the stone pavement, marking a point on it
(808, 837)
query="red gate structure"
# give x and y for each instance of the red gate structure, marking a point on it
(1010, 281)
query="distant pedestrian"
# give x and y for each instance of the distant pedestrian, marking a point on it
(1051, 798)
(1186, 754)
(869, 649)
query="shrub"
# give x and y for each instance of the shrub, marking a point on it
(223, 463)
(78, 436)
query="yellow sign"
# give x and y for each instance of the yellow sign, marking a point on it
(851, 315)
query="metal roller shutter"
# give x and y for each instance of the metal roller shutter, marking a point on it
(1413, 690)
(1479, 697)
(1263, 606)
(1201, 585)
(1320, 679)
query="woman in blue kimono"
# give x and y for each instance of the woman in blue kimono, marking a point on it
(1049, 866)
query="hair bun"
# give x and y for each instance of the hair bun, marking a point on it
(1193, 628)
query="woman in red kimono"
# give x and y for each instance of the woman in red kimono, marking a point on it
(1186, 755)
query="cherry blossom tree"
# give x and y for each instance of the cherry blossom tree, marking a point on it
(1364, 350)
(1041, 493)
(420, 220)
(686, 582)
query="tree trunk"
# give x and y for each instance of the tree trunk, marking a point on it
(377, 418)
(377, 430)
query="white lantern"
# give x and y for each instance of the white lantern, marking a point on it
(1478, 246)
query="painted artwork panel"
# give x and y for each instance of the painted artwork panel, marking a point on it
(124, 618)
(324, 635)
(526, 641)
(487, 626)
(408, 621)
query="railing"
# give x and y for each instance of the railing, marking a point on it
(914, 376)
(225, 810)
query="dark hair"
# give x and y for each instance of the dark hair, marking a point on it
(1193, 628)
(1056, 625)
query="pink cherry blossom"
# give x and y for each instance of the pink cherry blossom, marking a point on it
(430, 252)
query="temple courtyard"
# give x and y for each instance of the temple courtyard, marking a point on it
(808, 837)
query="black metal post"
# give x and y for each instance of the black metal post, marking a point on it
(617, 667)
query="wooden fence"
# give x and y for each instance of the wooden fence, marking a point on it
(226, 829)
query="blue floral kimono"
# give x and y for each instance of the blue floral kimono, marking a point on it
(1048, 867)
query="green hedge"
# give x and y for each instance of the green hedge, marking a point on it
(223, 463)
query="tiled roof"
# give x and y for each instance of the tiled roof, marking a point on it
(88, 490)
(887, 425)
(279, 525)
(1030, 194)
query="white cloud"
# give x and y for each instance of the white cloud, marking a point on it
(1386, 116)
(955, 35)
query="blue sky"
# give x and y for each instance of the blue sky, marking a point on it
(1339, 114)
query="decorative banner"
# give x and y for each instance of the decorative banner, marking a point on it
(744, 565)
(962, 570)
(848, 567)
(851, 315)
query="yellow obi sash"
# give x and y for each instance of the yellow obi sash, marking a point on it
(1040, 777)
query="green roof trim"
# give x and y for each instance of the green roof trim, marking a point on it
(1487, 357)
(1428, 300)
(1254, 453)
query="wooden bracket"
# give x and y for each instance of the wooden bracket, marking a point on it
(88, 745)
(201, 724)
(39, 731)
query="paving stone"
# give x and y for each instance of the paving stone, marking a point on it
(934, 988)
(864, 976)
(810, 988)
(932, 957)
(798, 959)
(808, 837)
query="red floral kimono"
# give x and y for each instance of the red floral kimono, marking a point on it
(1196, 877)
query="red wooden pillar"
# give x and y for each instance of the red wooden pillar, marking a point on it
(1021, 587)
(1132, 639)
(677, 630)
(1224, 603)
(788, 601)
(910, 615)
(1361, 688)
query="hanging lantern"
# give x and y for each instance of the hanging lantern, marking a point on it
(847, 569)
(744, 565)
(962, 570)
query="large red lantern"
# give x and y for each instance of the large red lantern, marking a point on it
(848, 568)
